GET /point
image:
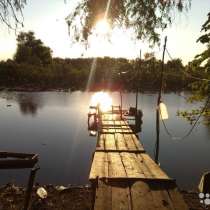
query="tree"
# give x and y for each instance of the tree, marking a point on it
(199, 68)
(31, 50)
(146, 17)
(11, 12)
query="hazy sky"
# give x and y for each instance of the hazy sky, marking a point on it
(46, 19)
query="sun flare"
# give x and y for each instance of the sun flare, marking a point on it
(101, 99)
(102, 27)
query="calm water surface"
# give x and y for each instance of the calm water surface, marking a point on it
(54, 125)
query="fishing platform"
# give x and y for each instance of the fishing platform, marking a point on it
(123, 175)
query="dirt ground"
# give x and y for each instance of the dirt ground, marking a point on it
(71, 198)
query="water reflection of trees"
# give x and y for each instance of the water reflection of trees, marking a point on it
(29, 103)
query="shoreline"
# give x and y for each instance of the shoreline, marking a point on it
(62, 198)
(58, 89)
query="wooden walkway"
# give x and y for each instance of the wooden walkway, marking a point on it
(124, 177)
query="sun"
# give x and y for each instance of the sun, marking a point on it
(101, 99)
(102, 27)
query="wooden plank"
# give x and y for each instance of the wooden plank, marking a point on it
(131, 165)
(167, 197)
(120, 141)
(115, 166)
(152, 166)
(125, 165)
(119, 151)
(129, 141)
(99, 166)
(177, 198)
(120, 198)
(137, 142)
(146, 170)
(117, 131)
(103, 198)
(110, 142)
(17, 164)
(161, 200)
(141, 196)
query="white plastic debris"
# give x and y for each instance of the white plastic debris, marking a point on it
(60, 188)
(41, 192)
(163, 111)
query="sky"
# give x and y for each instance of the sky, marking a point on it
(47, 19)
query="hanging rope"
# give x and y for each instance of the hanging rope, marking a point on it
(196, 121)
(193, 126)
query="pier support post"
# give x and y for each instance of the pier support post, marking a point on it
(30, 187)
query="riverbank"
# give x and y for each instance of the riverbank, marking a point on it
(66, 198)
(58, 198)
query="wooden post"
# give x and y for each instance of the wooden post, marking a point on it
(30, 187)
(121, 94)
(157, 110)
(137, 87)
(137, 92)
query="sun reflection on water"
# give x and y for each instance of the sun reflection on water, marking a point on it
(101, 99)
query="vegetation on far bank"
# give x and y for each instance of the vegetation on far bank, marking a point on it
(34, 66)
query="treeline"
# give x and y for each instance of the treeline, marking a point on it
(108, 73)
(34, 67)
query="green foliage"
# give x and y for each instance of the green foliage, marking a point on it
(110, 73)
(31, 50)
(146, 17)
(200, 68)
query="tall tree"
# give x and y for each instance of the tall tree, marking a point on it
(200, 66)
(146, 17)
(31, 50)
(199, 70)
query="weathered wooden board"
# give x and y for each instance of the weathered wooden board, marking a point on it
(152, 167)
(138, 195)
(121, 198)
(131, 165)
(125, 165)
(99, 166)
(109, 142)
(105, 117)
(119, 142)
(103, 197)
(115, 165)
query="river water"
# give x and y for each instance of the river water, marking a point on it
(54, 125)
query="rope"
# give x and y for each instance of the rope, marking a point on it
(191, 129)
(198, 118)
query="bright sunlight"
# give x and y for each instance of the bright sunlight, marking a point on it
(102, 27)
(101, 99)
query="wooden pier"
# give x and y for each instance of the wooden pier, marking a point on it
(124, 176)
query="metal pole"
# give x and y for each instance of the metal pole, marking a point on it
(158, 103)
(30, 187)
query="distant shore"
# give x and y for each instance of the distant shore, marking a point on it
(59, 89)
(34, 89)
